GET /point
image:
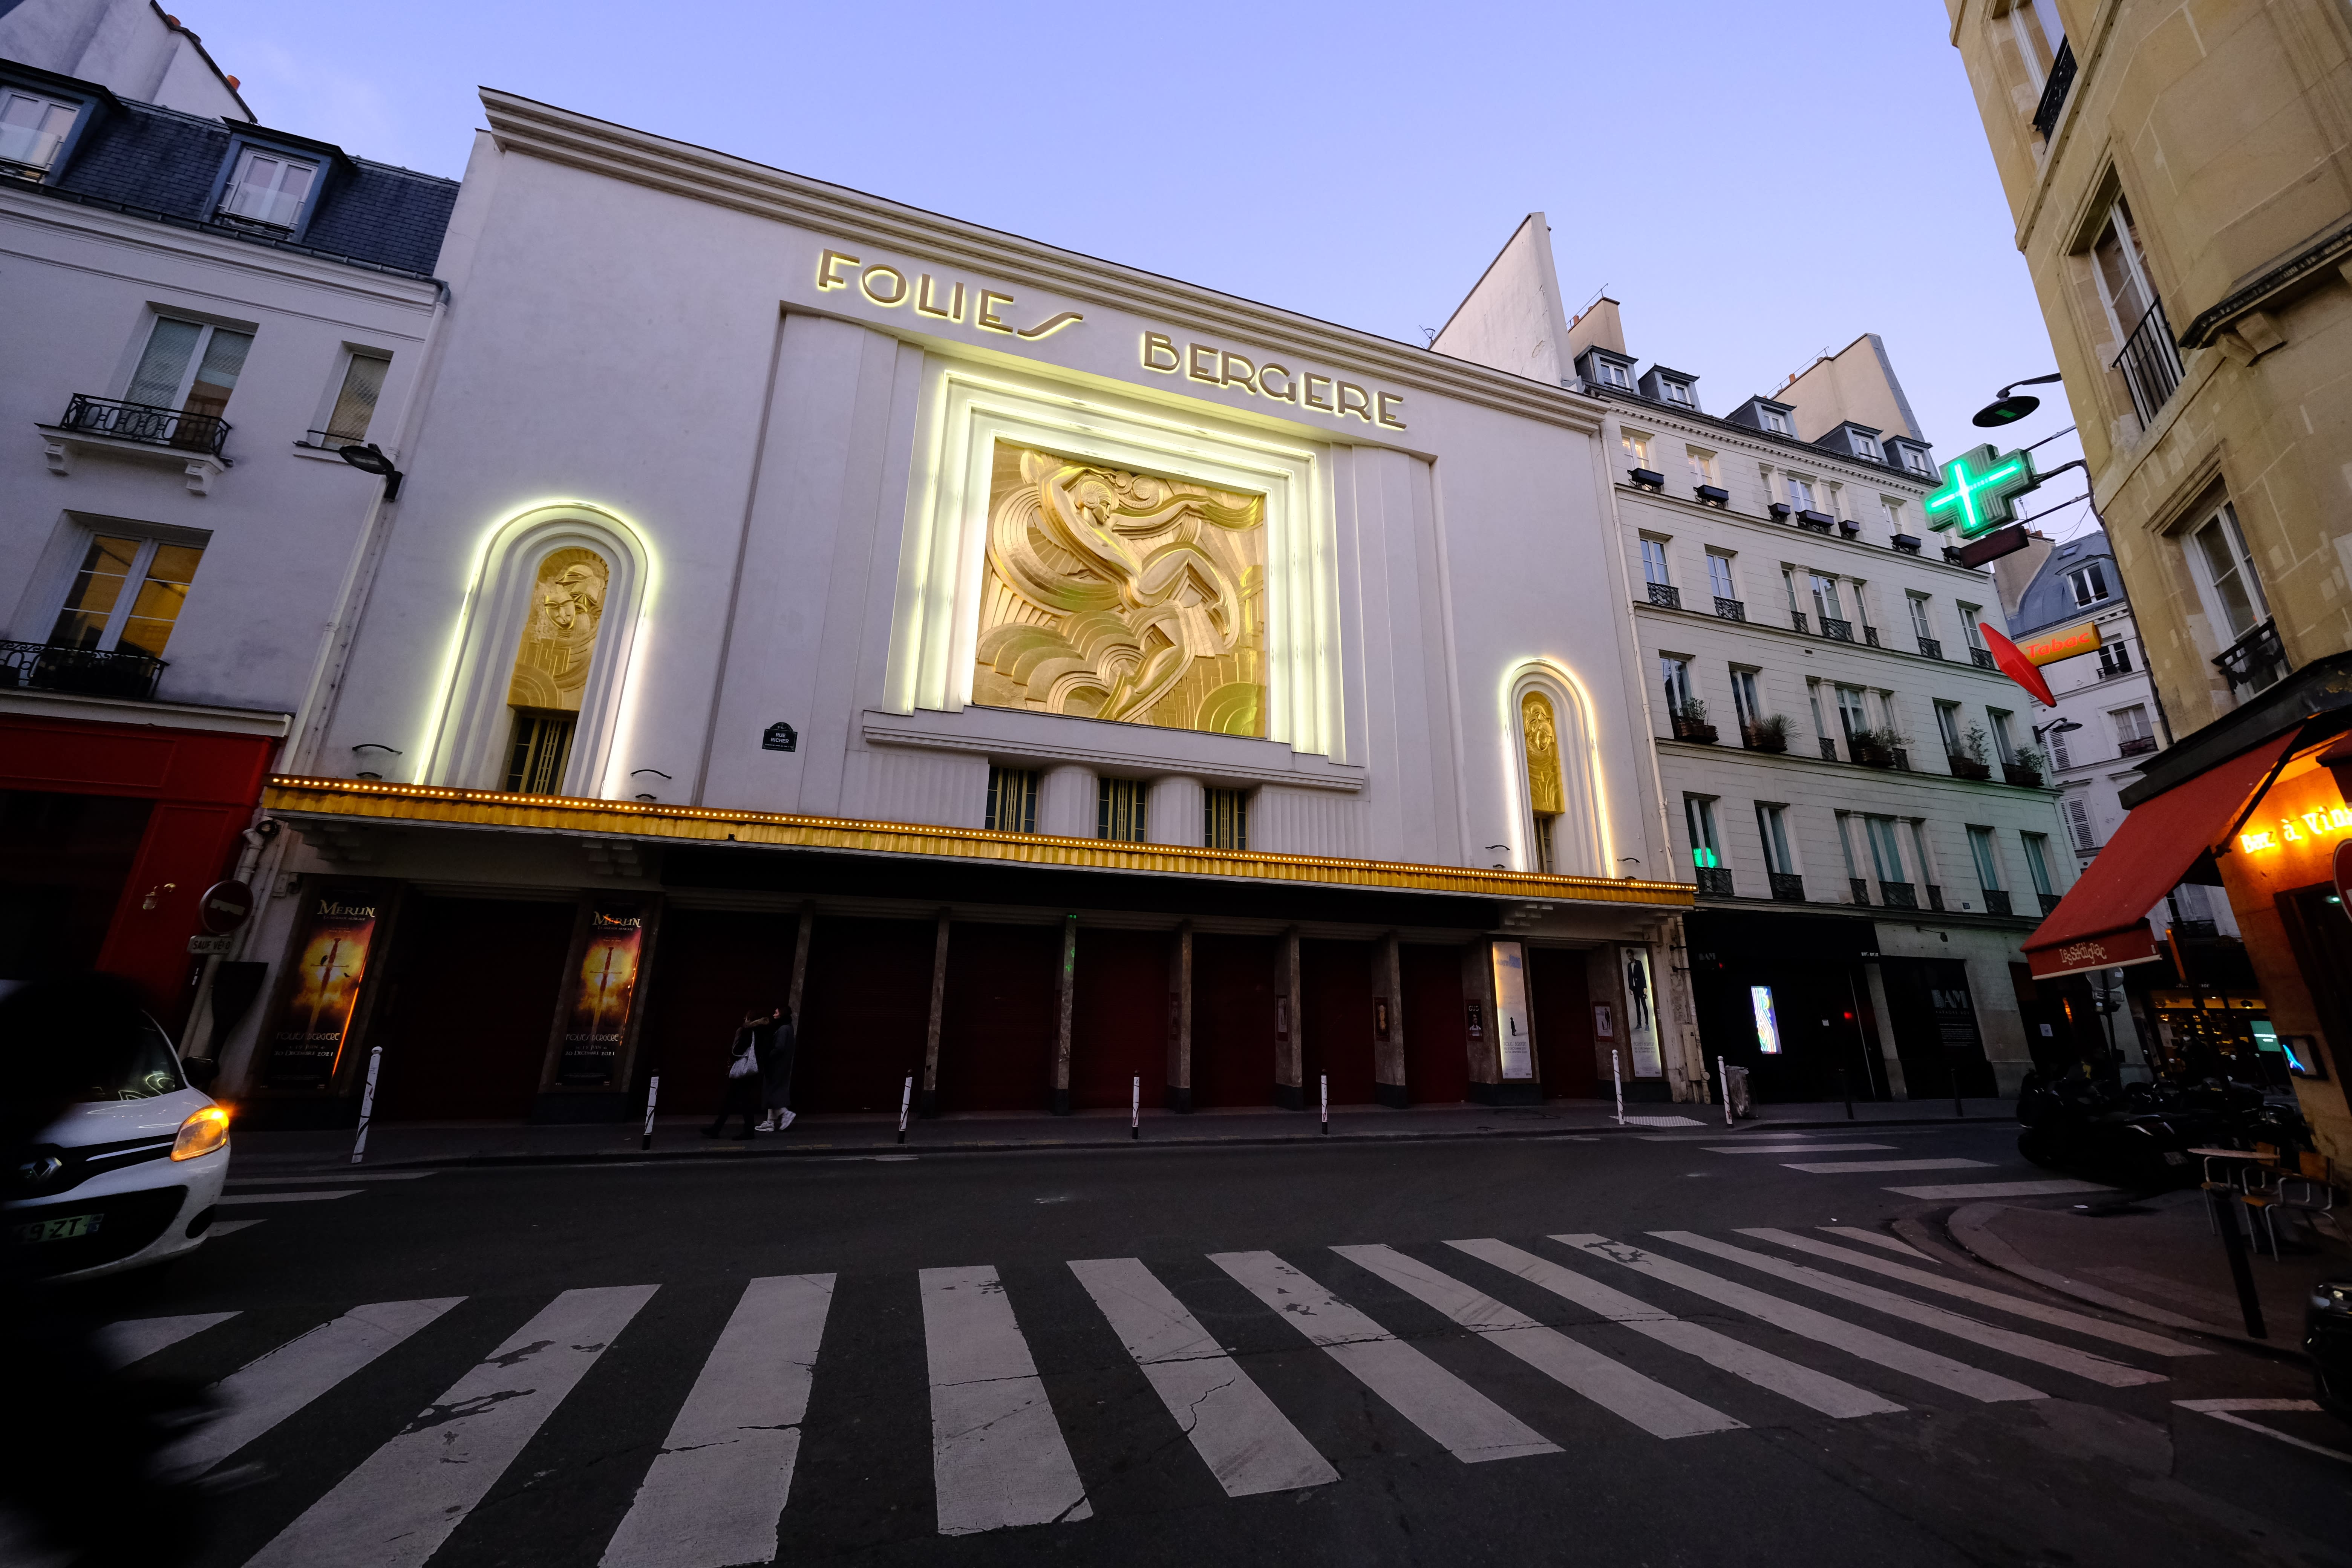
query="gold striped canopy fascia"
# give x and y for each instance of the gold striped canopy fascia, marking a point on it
(362, 800)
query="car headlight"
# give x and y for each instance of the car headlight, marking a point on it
(2333, 1298)
(201, 1133)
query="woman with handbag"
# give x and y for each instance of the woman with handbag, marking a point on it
(743, 1092)
(776, 1070)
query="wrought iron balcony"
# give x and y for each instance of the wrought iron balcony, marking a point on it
(1665, 596)
(2254, 660)
(84, 671)
(1829, 750)
(2137, 746)
(1789, 887)
(2049, 901)
(146, 424)
(1996, 901)
(1935, 896)
(1870, 636)
(1796, 619)
(1899, 895)
(2054, 90)
(1861, 889)
(2150, 365)
(1982, 658)
(1714, 882)
(1930, 649)
(1730, 609)
(1837, 630)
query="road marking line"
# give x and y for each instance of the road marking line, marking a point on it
(1657, 1409)
(336, 1180)
(269, 1389)
(405, 1499)
(1248, 1444)
(231, 1226)
(1791, 1148)
(725, 1472)
(226, 1199)
(1974, 1190)
(136, 1338)
(2221, 1410)
(1855, 1233)
(1814, 1389)
(1456, 1416)
(2025, 1347)
(997, 1453)
(1865, 1167)
(2056, 1317)
(1866, 1343)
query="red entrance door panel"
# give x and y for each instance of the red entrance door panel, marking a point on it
(1563, 1019)
(1119, 1018)
(709, 969)
(1436, 1042)
(1233, 1020)
(866, 1007)
(997, 1027)
(1338, 1022)
(468, 1031)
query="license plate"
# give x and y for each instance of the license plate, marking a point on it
(63, 1228)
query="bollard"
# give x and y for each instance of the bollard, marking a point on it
(653, 1093)
(2225, 1219)
(1619, 1081)
(1135, 1110)
(1725, 1073)
(367, 1103)
(1327, 1105)
(1845, 1086)
(905, 1099)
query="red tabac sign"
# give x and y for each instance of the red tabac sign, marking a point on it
(2065, 643)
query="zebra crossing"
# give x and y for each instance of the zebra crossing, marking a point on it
(719, 1488)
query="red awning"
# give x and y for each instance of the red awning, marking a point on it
(2102, 923)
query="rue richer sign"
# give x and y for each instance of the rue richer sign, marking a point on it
(780, 737)
(1979, 491)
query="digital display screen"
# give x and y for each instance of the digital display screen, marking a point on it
(1767, 1022)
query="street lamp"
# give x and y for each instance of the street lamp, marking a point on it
(2055, 727)
(2007, 409)
(370, 459)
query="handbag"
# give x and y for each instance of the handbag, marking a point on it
(746, 1061)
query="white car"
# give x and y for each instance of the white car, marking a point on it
(130, 1175)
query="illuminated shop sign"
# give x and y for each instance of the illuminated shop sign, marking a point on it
(1214, 366)
(1768, 1020)
(1980, 491)
(2067, 643)
(941, 298)
(2319, 822)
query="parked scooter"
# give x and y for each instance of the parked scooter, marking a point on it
(2138, 1136)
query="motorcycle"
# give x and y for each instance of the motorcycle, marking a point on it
(2138, 1136)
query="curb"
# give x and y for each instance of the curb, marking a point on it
(1970, 1228)
(910, 1149)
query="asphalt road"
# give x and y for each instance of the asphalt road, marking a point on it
(944, 1359)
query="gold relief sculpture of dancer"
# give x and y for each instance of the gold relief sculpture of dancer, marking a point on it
(1121, 596)
(551, 668)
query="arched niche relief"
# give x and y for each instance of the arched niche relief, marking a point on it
(549, 631)
(1556, 796)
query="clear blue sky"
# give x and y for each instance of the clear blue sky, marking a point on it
(1755, 184)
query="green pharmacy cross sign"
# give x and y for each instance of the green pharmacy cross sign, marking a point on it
(1980, 491)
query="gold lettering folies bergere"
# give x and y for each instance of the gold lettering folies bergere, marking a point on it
(1214, 366)
(551, 668)
(941, 299)
(1121, 596)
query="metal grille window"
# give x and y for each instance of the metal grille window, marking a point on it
(542, 745)
(127, 594)
(1011, 800)
(1226, 824)
(1653, 562)
(1118, 809)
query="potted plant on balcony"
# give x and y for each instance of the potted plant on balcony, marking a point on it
(1969, 761)
(1767, 735)
(1878, 748)
(1690, 722)
(2026, 770)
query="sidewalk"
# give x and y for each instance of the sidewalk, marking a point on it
(679, 1138)
(2155, 1259)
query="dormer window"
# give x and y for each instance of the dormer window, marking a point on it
(33, 129)
(1678, 392)
(1610, 374)
(1865, 447)
(1777, 422)
(1912, 455)
(1605, 367)
(269, 188)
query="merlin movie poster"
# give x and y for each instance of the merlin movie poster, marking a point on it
(308, 1042)
(596, 1009)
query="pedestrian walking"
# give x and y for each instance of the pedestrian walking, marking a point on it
(743, 1090)
(776, 1044)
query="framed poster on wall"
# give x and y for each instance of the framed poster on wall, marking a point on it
(1641, 1012)
(598, 1007)
(343, 926)
(1513, 1041)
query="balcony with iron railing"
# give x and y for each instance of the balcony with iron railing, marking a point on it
(1665, 596)
(1930, 649)
(2137, 746)
(1714, 882)
(1730, 609)
(1788, 886)
(1981, 659)
(1861, 889)
(78, 672)
(1935, 895)
(2150, 365)
(1899, 895)
(1837, 630)
(146, 425)
(1996, 901)
(2256, 660)
(2054, 89)
(2050, 901)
